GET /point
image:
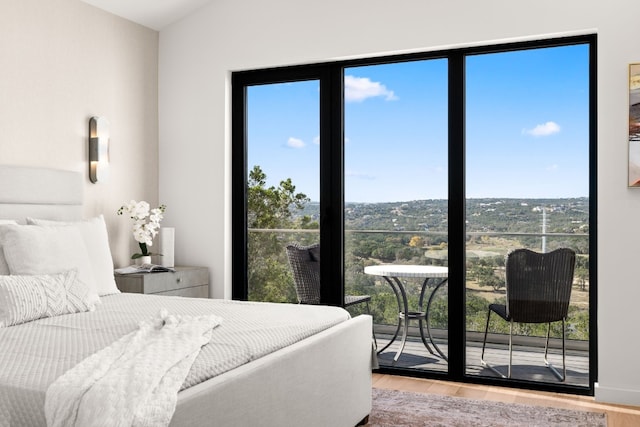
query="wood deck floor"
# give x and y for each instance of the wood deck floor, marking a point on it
(528, 362)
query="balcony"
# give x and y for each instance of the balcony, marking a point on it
(528, 354)
(485, 284)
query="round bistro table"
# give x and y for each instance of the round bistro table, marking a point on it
(392, 274)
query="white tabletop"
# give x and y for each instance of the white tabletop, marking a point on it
(399, 270)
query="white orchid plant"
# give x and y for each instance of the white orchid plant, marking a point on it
(146, 223)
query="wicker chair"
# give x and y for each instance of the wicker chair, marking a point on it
(538, 291)
(305, 265)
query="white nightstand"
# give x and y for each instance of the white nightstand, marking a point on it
(185, 282)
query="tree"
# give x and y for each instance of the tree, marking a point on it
(416, 242)
(271, 207)
(582, 272)
(485, 276)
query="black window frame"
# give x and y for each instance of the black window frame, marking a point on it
(330, 75)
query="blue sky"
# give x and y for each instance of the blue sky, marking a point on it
(526, 128)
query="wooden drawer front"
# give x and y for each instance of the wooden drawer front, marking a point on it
(182, 278)
(193, 292)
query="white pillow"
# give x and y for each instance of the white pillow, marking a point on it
(4, 268)
(96, 240)
(26, 298)
(31, 250)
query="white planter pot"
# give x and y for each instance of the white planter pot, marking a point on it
(143, 260)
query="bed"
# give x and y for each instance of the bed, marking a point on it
(319, 374)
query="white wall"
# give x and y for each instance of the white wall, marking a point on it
(61, 62)
(198, 53)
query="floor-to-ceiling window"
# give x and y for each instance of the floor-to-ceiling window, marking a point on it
(440, 160)
(283, 182)
(396, 192)
(527, 185)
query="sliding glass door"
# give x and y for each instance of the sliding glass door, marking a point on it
(283, 182)
(527, 186)
(418, 174)
(396, 190)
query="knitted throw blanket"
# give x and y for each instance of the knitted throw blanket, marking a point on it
(133, 382)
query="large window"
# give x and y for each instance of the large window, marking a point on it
(396, 190)
(527, 182)
(283, 182)
(444, 160)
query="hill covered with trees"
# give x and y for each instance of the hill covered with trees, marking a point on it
(416, 232)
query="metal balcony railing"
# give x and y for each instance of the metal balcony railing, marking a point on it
(477, 241)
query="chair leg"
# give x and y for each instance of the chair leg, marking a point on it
(563, 376)
(564, 353)
(484, 343)
(546, 345)
(510, 348)
(373, 331)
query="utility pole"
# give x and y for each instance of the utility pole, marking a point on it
(544, 229)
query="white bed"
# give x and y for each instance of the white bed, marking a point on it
(321, 380)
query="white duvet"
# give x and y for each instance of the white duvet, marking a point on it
(134, 381)
(35, 354)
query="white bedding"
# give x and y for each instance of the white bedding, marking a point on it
(292, 386)
(33, 355)
(134, 382)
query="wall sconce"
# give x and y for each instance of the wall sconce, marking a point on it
(98, 149)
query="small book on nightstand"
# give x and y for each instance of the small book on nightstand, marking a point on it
(144, 268)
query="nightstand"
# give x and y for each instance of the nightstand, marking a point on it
(185, 282)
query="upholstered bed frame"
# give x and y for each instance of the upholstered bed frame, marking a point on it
(324, 380)
(40, 193)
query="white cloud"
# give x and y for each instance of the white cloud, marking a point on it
(357, 89)
(553, 167)
(545, 129)
(295, 143)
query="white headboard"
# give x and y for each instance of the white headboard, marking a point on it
(40, 193)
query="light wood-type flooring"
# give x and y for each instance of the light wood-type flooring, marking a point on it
(617, 415)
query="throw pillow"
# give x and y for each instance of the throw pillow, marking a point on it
(96, 240)
(4, 268)
(31, 250)
(26, 298)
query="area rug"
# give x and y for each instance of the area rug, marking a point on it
(404, 409)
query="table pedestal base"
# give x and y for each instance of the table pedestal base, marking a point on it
(404, 316)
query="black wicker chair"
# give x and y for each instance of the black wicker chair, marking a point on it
(538, 291)
(305, 265)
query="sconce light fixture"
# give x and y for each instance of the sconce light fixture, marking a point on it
(98, 149)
